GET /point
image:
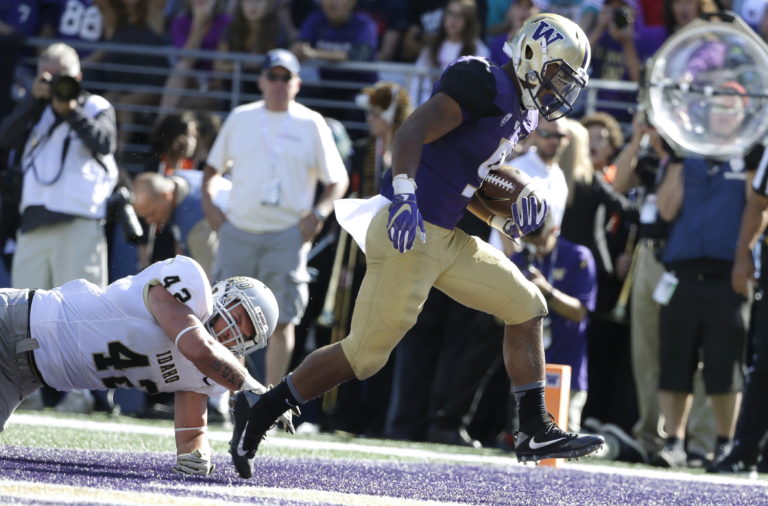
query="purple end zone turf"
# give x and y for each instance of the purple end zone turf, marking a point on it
(437, 482)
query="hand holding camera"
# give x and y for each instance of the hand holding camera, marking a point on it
(622, 24)
(62, 90)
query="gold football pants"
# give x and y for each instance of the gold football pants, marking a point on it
(396, 285)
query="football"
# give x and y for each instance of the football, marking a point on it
(503, 186)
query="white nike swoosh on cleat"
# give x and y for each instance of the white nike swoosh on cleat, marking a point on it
(239, 447)
(535, 446)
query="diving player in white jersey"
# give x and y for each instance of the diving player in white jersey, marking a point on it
(163, 330)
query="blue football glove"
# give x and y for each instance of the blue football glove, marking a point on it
(405, 220)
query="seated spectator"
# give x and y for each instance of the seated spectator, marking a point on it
(201, 26)
(423, 23)
(678, 13)
(518, 11)
(336, 33)
(459, 35)
(391, 17)
(255, 29)
(619, 48)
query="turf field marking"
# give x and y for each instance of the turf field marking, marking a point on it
(280, 442)
(298, 443)
(26, 490)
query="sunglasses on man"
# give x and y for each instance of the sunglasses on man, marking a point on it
(273, 76)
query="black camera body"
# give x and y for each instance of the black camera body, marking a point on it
(622, 16)
(65, 87)
(120, 207)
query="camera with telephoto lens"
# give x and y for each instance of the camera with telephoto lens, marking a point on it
(120, 208)
(64, 87)
(621, 16)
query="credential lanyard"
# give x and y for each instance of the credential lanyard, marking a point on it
(274, 143)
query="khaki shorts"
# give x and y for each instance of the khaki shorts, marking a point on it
(277, 259)
(396, 286)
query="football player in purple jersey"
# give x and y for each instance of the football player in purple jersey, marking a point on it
(477, 113)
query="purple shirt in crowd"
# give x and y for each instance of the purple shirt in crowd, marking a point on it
(453, 166)
(23, 15)
(570, 268)
(181, 26)
(357, 37)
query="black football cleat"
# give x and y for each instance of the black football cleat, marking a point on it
(550, 442)
(737, 462)
(240, 413)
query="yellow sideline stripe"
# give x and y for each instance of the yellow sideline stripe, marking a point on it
(69, 494)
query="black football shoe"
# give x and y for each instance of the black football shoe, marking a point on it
(738, 461)
(550, 442)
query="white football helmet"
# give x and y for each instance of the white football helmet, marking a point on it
(550, 54)
(260, 304)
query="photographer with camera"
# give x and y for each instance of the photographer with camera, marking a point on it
(64, 140)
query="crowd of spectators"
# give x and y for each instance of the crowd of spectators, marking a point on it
(602, 171)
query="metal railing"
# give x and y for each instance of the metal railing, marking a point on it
(239, 82)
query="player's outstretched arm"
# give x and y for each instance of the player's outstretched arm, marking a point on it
(193, 452)
(211, 357)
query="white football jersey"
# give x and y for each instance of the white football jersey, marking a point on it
(97, 339)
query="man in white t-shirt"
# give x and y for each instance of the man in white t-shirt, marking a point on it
(276, 151)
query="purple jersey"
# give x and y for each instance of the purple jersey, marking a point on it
(570, 268)
(77, 20)
(494, 121)
(22, 15)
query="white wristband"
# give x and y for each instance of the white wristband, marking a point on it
(401, 183)
(184, 331)
(184, 429)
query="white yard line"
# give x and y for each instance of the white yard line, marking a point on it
(297, 442)
(67, 494)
